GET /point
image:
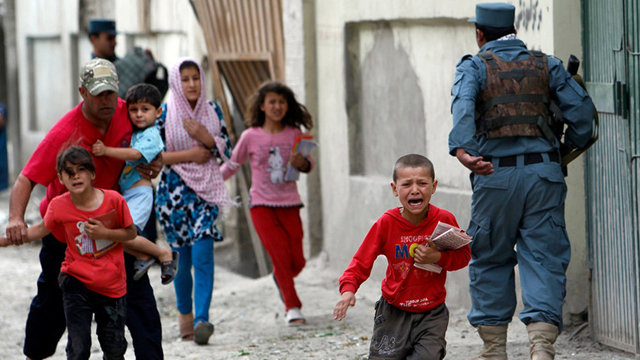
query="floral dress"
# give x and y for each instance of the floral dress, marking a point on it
(183, 215)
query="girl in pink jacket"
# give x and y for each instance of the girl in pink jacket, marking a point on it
(274, 119)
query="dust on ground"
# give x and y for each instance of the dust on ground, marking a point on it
(248, 317)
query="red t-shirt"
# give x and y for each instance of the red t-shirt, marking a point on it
(405, 286)
(104, 275)
(74, 129)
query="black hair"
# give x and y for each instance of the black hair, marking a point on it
(495, 33)
(297, 114)
(75, 155)
(413, 160)
(144, 93)
(189, 64)
(96, 34)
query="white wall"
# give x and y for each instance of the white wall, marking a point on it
(293, 28)
(43, 31)
(51, 30)
(434, 35)
(567, 40)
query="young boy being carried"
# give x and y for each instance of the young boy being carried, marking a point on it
(143, 104)
(91, 283)
(411, 318)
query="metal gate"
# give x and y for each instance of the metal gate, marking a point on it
(611, 68)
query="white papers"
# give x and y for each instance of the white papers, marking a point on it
(445, 237)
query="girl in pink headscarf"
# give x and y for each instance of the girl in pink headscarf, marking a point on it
(191, 191)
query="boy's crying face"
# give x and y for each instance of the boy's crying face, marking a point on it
(414, 187)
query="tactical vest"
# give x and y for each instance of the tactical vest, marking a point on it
(515, 101)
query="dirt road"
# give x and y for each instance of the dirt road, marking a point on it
(249, 319)
(248, 316)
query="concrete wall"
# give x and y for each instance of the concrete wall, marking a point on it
(53, 44)
(385, 87)
(384, 74)
(567, 40)
(301, 75)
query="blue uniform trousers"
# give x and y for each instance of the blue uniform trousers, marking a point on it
(517, 217)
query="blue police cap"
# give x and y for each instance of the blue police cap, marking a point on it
(102, 25)
(494, 15)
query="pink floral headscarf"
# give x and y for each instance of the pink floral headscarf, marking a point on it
(205, 179)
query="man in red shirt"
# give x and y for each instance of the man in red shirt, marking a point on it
(100, 116)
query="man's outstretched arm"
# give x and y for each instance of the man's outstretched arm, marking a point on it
(20, 194)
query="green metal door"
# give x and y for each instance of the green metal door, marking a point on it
(632, 29)
(611, 170)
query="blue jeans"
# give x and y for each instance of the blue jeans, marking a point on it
(200, 256)
(80, 304)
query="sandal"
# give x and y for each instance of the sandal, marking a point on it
(203, 331)
(169, 268)
(294, 317)
(140, 267)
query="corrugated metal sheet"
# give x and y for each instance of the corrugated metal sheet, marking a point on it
(633, 47)
(611, 190)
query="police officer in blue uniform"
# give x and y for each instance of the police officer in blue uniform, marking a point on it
(502, 102)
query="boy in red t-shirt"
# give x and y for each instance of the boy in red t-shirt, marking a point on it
(411, 318)
(92, 282)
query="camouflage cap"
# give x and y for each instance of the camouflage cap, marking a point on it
(99, 75)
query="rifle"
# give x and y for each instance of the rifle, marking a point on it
(566, 153)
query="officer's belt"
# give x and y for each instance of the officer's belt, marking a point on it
(531, 158)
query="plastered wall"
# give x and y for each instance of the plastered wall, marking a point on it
(53, 44)
(384, 74)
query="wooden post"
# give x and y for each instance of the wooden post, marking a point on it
(245, 45)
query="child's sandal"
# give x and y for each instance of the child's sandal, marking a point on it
(140, 267)
(169, 269)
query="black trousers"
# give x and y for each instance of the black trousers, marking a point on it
(81, 304)
(46, 322)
